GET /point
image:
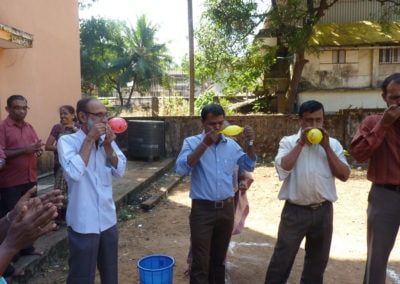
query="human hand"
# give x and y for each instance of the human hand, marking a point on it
(303, 135)
(52, 197)
(110, 135)
(97, 130)
(390, 115)
(33, 221)
(248, 133)
(38, 153)
(211, 136)
(325, 138)
(35, 148)
(31, 193)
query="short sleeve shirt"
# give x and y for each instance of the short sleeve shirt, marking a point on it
(20, 169)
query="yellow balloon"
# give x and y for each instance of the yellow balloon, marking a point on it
(314, 136)
(232, 130)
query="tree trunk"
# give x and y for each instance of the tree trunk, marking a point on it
(191, 58)
(294, 82)
(128, 102)
(121, 99)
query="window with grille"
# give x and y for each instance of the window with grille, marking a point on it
(338, 56)
(389, 55)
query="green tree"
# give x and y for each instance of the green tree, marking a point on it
(101, 43)
(227, 52)
(226, 26)
(147, 61)
(114, 55)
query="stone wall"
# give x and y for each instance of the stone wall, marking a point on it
(269, 130)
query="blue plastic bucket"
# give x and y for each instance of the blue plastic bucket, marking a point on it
(156, 269)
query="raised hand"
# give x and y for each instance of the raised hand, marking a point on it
(32, 221)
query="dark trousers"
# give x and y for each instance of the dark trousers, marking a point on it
(210, 228)
(9, 197)
(296, 223)
(88, 250)
(382, 227)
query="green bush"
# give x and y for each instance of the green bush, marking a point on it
(208, 98)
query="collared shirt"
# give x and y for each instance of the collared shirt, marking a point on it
(20, 169)
(91, 207)
(311, 180)
(381, 146)
(211, 178)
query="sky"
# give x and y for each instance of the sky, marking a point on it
(171, 17)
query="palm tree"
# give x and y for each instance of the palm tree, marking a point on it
(144, 61)
(113, 55)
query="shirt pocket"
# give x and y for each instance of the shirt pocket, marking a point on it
(228, 165)
(106, 176)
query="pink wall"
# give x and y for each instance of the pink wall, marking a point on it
(48, 74)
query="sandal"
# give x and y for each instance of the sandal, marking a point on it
(11, 271)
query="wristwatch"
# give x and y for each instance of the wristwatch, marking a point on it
(249, 142)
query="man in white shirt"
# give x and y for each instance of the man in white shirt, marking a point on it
(90, 158)
(308, 172)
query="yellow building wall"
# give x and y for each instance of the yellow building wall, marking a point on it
(48, 74)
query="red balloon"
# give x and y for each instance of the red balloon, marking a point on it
(118, 124)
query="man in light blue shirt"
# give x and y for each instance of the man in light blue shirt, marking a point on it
(90, 158)
(210, 158)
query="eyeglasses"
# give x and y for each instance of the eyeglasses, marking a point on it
(393, 97)
(100, 115)
(20, 107)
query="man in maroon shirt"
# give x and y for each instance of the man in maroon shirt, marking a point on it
(22, 147)
(378, 139)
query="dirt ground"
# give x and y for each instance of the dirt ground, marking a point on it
(165, 230)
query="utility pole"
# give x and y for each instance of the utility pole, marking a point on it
(191, 58)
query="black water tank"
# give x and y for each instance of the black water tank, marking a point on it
(146, 139)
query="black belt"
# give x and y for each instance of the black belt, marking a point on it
(313, 206)
(212, 204)
(392, 187)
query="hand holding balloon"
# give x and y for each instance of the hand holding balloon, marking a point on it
(118, 124)
(314, 136)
